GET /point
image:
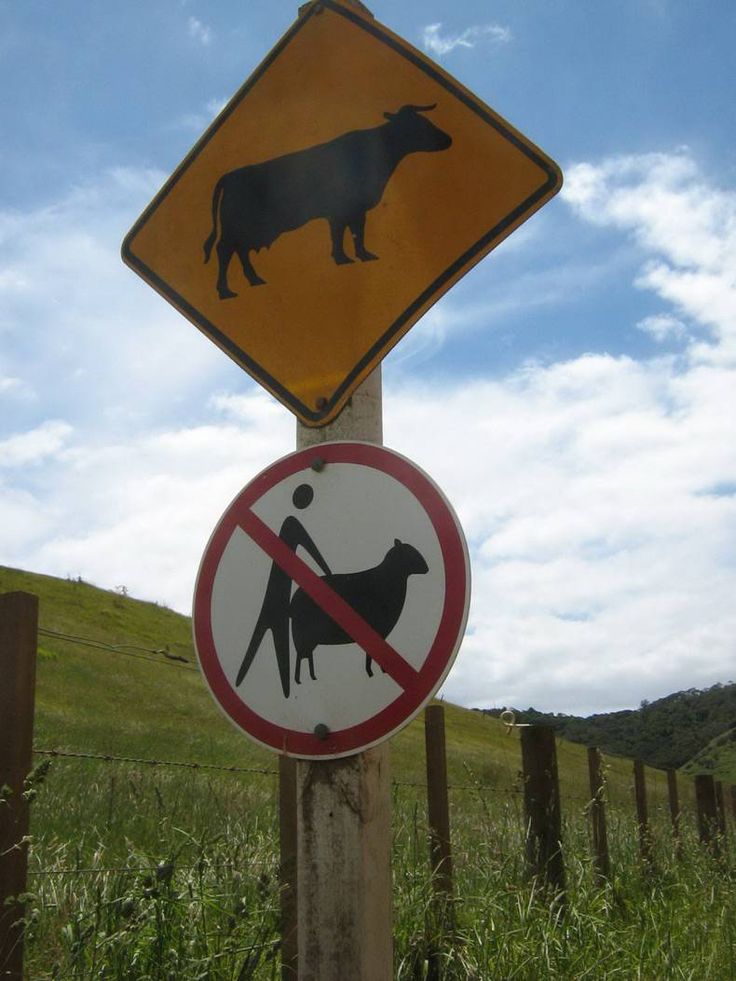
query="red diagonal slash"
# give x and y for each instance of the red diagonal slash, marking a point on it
(334, 605)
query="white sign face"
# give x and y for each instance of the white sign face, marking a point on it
(331, 602)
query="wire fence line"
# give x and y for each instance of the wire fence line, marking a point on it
(186, 764)
(129, 650)
(161, 872)
(262, 771)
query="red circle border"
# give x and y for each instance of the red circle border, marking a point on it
(444, 647)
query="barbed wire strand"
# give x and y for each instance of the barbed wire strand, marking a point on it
(417, 785)
(188, 764)
(128, 650)
(154, 870)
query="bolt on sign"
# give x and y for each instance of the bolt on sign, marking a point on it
(331, 600)
(341, 192)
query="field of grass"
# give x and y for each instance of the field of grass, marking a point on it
(160, 872)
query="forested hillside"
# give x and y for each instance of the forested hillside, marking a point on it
(666, 733)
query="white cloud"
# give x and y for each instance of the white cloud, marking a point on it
(30, 448)
(440, 44)
(139, 511)
(602, 572)
(602, 555)
(199, 31)
(15, 388)
(86, 332)
(685, 225)
(662, 327)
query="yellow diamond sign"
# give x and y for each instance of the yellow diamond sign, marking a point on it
(342, 191)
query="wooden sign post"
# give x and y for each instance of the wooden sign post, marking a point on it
(344, 811)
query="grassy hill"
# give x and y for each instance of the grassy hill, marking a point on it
(717, 757)
(161, 872)
(127, 697)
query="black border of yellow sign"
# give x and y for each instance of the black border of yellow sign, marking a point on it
(332, 405)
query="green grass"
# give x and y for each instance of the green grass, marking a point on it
(164, 873)
(717, 758)
(186, 887)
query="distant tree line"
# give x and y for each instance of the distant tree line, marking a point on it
(665, 733)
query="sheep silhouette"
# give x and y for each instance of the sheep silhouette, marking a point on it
(378, 595)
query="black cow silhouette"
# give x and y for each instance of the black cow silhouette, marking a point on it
(340, 181)
(378, 595)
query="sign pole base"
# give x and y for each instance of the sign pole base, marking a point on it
(344, 811)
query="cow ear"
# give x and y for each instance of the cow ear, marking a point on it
(396, 541)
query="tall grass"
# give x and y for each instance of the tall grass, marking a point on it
(166, 874)
(152, 874)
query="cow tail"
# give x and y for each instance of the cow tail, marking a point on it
(216, 198)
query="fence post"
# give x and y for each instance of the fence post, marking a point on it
(287, 867)
(705, 800)
(674, 799)
(438, 810)
(598, 813)
(18, 640)
(642, 813)
(542, 806)
(733, 802)
(720, 810)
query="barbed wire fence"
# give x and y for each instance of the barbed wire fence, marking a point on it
(165, 870)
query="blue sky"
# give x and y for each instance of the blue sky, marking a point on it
(573, 395)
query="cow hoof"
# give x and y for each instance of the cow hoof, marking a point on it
(342, 260)
(366, 256)
(257, 282)
(226, 294)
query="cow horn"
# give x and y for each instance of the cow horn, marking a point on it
(393, 115)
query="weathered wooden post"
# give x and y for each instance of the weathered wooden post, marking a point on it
(598, 814)
(733, 802)
(542, 807)
(18, 640)
(287, 867)
(642, 814)
(438, 808)
(720, 810)
(344, 811)
(705, 802)
(674, 802)
(437, 799)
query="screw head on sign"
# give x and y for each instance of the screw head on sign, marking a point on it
(321, 402)
(317, 464)
(321, 731)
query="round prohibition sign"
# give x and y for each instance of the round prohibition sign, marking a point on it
(331, 600)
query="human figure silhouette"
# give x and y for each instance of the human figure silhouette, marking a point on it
(274, 615)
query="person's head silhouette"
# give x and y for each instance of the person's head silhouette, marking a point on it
(302, 496)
